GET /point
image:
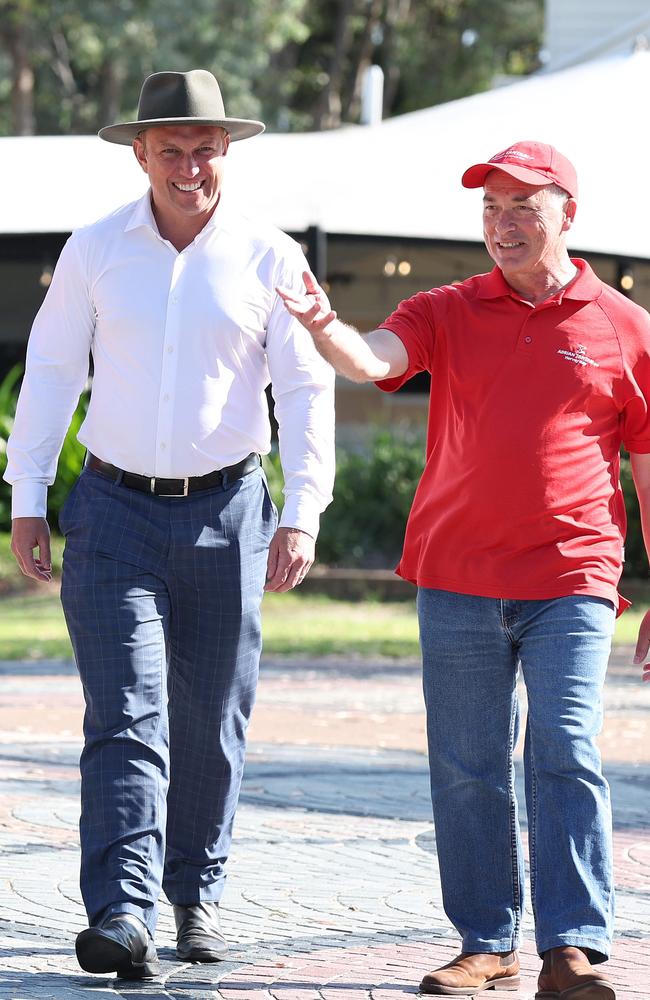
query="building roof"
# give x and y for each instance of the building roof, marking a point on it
(575, 31)
(398, 178)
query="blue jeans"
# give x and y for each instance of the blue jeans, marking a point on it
(162, 600)
(472, 648)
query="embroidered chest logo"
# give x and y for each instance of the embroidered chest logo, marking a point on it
(578, 356)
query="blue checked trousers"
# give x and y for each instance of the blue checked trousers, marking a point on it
(162, 601)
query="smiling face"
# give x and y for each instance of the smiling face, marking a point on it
(524, 225)
(185, 167)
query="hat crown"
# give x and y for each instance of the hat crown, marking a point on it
(170, 98)
(530, 162)
(525, 153)
(180, 95)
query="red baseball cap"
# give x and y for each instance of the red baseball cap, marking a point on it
(530, 162)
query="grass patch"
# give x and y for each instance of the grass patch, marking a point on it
(32, 627)
(627, 626)
(321, 626)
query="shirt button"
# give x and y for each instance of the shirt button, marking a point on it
(170, 349)
(528, 340)
(166, 397)
(162, 445)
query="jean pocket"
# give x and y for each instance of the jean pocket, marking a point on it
(67, 509)
(269, 499)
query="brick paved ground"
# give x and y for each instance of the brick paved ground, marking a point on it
(333, 891)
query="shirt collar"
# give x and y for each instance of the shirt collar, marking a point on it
(142, 216)
(585, 287)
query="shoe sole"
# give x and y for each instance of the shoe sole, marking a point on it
(590, 991)
(202, 955)
(509, 983)
(96, 953)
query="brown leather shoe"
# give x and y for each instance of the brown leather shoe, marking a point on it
(472, 973)
(567, 974)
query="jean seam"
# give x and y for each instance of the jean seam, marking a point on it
(532, 826)
(516, 895)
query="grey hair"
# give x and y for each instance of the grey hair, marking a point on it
(558, 192)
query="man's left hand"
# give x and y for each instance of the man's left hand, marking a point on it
(643, 644)
(290, 557)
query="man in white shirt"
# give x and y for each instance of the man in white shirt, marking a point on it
(170, 529)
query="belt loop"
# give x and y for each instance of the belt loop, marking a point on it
(119, 477)
(224, 479)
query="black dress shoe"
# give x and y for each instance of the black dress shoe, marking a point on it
(121, 944)
(198, 933)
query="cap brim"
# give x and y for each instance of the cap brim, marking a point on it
(237, 128)
(474, 177)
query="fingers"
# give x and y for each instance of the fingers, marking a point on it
(310, 313)
(311, 307)
(643, 645)
(643, 641)
(29, 534)
(290, 557)
(288, 573)
(312, 286)
(272, 562)
(287, 577)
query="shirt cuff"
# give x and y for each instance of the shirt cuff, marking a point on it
(29, 498)
(301, 511)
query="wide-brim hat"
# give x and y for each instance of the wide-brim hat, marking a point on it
(192, 98)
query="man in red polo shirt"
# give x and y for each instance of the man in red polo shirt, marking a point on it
(539, 372)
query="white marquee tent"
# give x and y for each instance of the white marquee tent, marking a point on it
(398, 178)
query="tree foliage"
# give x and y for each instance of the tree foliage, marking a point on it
(74, 65)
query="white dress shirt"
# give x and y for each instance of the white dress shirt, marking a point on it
(183, 346)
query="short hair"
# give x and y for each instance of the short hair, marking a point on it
(558, 191)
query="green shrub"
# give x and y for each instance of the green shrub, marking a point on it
(8, 397)
(364, 525)
(70, 460)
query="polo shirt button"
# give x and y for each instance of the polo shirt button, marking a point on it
(528, 340)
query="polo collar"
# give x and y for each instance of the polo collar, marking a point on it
(584, 288)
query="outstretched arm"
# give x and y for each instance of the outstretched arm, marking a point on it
(377, 355)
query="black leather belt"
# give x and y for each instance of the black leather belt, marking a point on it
(174, 487)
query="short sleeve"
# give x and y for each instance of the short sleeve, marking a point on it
(413, 323)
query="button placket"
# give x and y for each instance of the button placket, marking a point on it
(527, 335)
(168, 374)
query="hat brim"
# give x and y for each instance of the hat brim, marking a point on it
(474, 177)
(237, 128)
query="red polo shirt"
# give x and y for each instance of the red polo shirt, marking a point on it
(520, 496)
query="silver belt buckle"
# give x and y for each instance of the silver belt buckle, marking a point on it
(186, 488)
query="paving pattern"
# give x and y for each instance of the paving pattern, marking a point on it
(333, 892)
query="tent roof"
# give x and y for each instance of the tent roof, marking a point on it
(398, 178)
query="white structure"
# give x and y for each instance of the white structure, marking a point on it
(399, 178)
(386, 198)
(579, 30)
